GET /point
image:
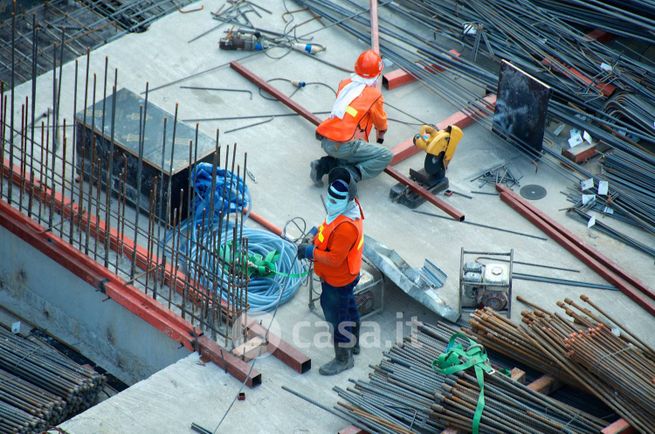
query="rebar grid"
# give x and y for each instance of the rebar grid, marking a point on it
(77, 195)
(85, 24)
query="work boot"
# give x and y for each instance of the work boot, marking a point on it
(343, 360)
(320, 168)
(356, 349)
(315, 173)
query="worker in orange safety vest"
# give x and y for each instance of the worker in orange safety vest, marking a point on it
(344, 135)
(337, 251)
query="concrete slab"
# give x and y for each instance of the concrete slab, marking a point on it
(189, 392)
(279, 154)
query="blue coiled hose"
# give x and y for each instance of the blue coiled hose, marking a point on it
(231, 196)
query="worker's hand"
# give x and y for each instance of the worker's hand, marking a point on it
(380, 136)
(306, 251)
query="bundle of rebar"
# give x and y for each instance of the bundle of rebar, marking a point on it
(637, 177)
(497, 332)
(404, 394)
(610, 231)
(600, 356)
(39, 386)
(633, 19)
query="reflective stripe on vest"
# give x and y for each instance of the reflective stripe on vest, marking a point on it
(344, 130)
(355, 254)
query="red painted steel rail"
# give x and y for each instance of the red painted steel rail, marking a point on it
(462, 119)
(610, 271)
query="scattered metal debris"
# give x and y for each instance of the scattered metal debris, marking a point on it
(85, 25)
(500, 174)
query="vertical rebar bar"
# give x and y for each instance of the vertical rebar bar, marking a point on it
(12, 85)
(34, 60)
(110, 165)
(74, 155)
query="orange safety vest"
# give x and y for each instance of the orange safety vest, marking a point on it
(354, 258)
(355, 120)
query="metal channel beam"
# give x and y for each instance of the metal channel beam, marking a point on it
(281, 349)
(262, 84)
(627, 284)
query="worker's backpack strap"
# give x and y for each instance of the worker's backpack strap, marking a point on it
(455, 359)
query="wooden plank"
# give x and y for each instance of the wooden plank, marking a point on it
(621, 426)
(545, 384)
(518, 375)
(351, 429)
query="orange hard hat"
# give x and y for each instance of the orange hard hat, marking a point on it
(369, 64)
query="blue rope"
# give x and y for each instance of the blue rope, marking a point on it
(231, 196)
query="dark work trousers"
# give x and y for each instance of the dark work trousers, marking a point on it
(338, 304)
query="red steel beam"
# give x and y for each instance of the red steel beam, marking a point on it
(611, 265)
(265, 223)
(399, 77)
(263, 84)
(627, 284)
(125, 295)
(462, 119)
(425, 194)
(210, 350)
(375, 34)
(98, 228)
(569, 71)
(281, 349)
(600, 36)
(351, 429)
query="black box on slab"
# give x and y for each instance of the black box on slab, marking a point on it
(161, 158)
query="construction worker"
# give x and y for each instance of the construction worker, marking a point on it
(344, 134)
(337, 254)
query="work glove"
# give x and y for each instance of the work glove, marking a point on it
(306, 251)
(380, 136)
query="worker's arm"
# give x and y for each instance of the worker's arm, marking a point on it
(341, 241)
(379, 118)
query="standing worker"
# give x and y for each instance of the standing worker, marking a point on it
(344, 134)
(337, 254)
